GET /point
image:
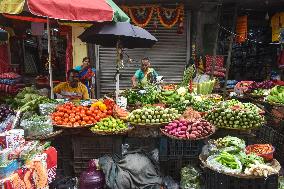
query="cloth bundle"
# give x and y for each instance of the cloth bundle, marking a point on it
(219, 70)
(9, 82)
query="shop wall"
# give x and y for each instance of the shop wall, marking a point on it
(79, 48)
(168, 57)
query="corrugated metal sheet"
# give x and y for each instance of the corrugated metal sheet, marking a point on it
(168, 57)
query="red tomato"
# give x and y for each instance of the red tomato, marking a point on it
(90, 122)
(89, 112)
(83, 123)
(86, 118)
(97, 118)
(72, 115)
(66, 115)
(72, 120)
(109, 112)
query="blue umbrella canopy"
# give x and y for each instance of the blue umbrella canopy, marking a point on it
(3, 35)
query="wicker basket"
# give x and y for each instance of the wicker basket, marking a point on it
(74, 127)
(177, 138)
(275, 164)
(120, 132)
(46, 137)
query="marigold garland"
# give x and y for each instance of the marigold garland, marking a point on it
(166, 22)
(176, 15)
(144, 22)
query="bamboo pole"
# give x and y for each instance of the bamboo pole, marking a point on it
(49, 59)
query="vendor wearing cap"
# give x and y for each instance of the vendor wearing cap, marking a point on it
(145, 74)
(73, 88)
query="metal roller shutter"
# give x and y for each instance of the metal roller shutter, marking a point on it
(168, 58)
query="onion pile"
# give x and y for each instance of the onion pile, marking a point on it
(192, 130)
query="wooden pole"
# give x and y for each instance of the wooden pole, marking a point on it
(49, 59)
(216, 40)
(228, 62)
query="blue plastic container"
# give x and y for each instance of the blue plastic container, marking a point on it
(7, 170)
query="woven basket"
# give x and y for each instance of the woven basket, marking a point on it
(275, 164)
(121, 132)
(177, 138)
(74, 127)
(46, 137)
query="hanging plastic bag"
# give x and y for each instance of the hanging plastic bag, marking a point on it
(190, 178)
(37, 126)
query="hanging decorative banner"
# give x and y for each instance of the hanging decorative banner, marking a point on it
(168, 17)
(277, 21)
(11, 6)
(142, 15)
(242, 29)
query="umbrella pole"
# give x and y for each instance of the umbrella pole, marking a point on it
(49, 59)
(117, 72)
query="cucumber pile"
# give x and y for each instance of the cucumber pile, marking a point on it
(236, 116)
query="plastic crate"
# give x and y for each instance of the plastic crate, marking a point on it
(147, 144)
(87, 148)
(214, 180)
(179, 149)
(172, 167)
(268, 135)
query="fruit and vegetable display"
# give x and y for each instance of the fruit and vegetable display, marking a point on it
(5, 111)
(37, 126)
(187, 76)
(109, 124)
(72, 115)
(188, 130)
(170, 87)
(205, 88)
(276, 95)
(261, 85)
(239, 161)
(28, 100)
(235, 115)
(202, 105)
(148, 95)
(263, 150)
(120, 112)
(191, 114)
(181, 95)
(190, 178)
(153, 115)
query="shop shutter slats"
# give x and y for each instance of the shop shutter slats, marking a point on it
(168, 57)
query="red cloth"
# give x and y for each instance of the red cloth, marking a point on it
(4, 59)
(76, 10)
(26, 18)
(219, 61)
(51, 162)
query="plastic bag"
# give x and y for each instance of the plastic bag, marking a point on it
(7, 124)
(169, 183)
(46, 109)
(190, 178)
(37, 126)
(281, 183)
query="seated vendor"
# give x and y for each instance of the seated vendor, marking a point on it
(73, 88)
(145, 74)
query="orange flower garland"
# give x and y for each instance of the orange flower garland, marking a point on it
(141, 15)
(143, 22)
(170, 22)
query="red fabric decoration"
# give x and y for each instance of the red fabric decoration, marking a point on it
(4, 59)
(51, 162)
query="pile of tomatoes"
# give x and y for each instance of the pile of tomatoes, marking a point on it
(71, 115)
